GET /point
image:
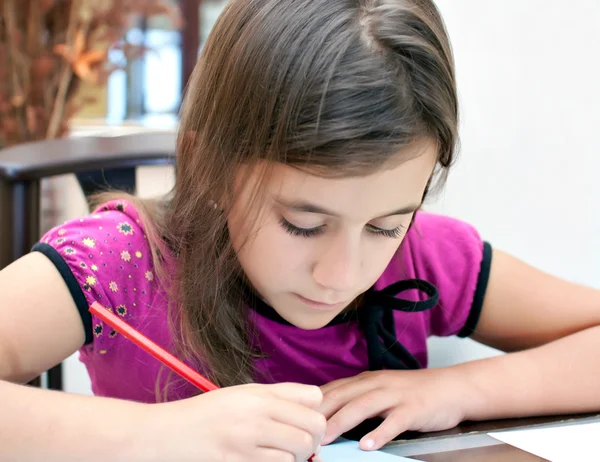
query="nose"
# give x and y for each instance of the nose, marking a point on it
(337, 268)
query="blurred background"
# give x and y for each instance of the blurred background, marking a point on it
(529, 165)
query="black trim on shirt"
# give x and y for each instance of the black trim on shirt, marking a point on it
(480, 289)
(74, 287)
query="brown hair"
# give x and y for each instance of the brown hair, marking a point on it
(335, 86)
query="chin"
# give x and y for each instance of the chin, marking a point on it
(310, 322)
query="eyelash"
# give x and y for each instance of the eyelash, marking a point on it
(310, 232)
(295, 231)
(391, 233)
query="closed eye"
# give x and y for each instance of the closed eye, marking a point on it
(310, 232)
(392, 233)
(296, 231)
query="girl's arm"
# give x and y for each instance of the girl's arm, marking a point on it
(53, 426)
(552, 328)
(40, 327)
(556, 323)
(39, 322)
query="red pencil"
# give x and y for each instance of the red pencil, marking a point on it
(148, 345)
(159, 353)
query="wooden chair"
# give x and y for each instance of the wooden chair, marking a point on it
(97, 161)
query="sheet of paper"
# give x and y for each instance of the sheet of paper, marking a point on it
(349, 451)
(565, 443)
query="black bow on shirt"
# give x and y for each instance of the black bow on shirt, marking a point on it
(376, 318)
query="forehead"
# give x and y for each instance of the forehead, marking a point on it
(358, 197)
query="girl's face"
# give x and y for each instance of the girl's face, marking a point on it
(318, 243)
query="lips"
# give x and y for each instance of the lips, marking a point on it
(319, 305)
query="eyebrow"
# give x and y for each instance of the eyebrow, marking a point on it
(300, 206)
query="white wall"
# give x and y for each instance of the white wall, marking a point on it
(528, 170)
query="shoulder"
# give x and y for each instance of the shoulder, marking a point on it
(433, 242)
(432, 229)
(437, 242)
(104, 257)
(100, 246)
(451, 255)
(115, 221)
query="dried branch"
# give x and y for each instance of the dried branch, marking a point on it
(48, 47)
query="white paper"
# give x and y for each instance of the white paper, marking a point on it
(349, 451)
(565, 443)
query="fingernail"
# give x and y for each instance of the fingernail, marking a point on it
(369, 444)
(326, 440)
(318, 450)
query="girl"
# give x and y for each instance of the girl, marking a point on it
(291, 264)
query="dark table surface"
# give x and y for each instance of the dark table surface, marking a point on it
(469, 441)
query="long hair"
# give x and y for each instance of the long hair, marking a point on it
(335, 86)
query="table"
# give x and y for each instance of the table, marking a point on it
(469, 441)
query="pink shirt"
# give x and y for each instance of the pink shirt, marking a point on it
(105, 257)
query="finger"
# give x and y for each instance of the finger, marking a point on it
(356, 411)
(336, 398)
(307, 395)
(397, 422)
(301, 417)
(274, 455)
(282, 437)
(337, 383)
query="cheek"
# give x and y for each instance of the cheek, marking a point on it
(270, 256)
(378, 256)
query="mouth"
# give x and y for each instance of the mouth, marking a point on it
(322, 306)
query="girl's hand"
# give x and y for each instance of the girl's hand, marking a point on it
(422, 400)
(243, 423)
